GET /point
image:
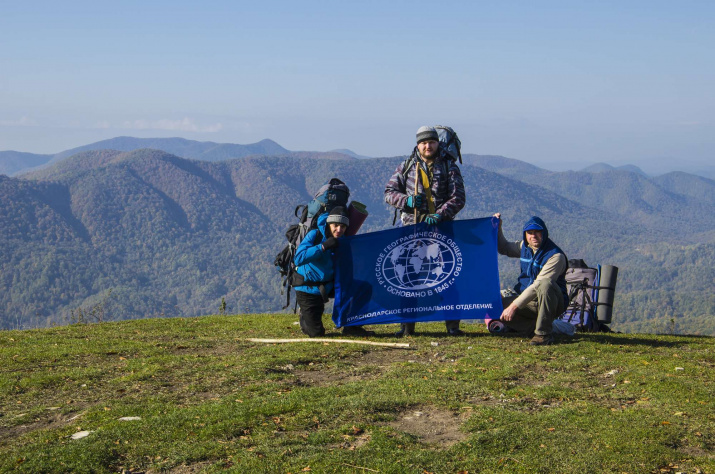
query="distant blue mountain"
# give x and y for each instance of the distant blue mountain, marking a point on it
(345, 151)
(205, 151)
(601, 167)
(510, 167)
(697, 187)
(12, 162)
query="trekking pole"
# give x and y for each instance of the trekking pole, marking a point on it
(417, 180)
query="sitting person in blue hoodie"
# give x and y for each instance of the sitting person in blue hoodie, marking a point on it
(315, 262)
(541, 294)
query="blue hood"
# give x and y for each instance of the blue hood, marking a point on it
(322, 224)
(536, 223)
(532, 262)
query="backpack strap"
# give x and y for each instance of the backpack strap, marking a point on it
(394, 218)
(406, 165)
(586, 304)
(427, 189)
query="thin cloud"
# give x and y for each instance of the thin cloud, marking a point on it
(184, 125)
(23, 122)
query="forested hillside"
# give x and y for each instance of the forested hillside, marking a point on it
(122, 235)
(678, 203)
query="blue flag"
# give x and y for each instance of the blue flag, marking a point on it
(418, 273)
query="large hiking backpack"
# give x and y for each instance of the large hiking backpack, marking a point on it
(591, 293)
(449, 143)
(331, 194)
(581, 283)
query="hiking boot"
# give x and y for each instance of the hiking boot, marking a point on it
(539, 340)
(455, 332)
(405, 330)
(357, 331)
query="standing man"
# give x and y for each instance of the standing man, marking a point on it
(541, 288)
(429, 186)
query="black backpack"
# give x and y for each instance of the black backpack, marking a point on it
(331, 194)
(450, 145)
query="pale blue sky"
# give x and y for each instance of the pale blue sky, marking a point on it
(559, 84)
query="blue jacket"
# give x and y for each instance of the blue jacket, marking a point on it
(532, 263)
(313, 263)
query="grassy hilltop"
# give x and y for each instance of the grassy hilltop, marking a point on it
(204, 399)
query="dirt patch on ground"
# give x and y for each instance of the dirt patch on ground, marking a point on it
(203, 348)
(484, 401)
(185, 469)
(529, 404)
(385, 358)
(357, 439)
(434, 426)
(52, 420)
(696, 451)
(363, 366)
(320, 378)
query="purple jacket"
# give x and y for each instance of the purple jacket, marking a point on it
(447, 189)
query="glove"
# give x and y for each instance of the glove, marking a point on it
(414, 202)
(331, 243)
(433, 219)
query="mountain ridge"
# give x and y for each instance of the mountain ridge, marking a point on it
(15, 162)
(601, 167)
(173, 236)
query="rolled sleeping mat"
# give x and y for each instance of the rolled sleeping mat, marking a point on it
(496, 327)
(606, 293)
(357, 213)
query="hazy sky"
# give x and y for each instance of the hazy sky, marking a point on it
(562, 84)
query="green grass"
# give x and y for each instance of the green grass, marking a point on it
(209, 401)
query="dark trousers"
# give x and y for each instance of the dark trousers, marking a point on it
(410, 327)
(311, 313)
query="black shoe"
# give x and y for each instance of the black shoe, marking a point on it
(405, 331)
(455, 332)
(357, 331)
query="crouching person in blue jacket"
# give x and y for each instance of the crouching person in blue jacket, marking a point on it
(315, 262)
(541, 288)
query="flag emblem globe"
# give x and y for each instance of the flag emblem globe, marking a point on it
(418, 264)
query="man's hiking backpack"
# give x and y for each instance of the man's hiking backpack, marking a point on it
(591, 292)
(331, 194)
(449, 143)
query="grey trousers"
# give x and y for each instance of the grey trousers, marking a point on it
(538, 315)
